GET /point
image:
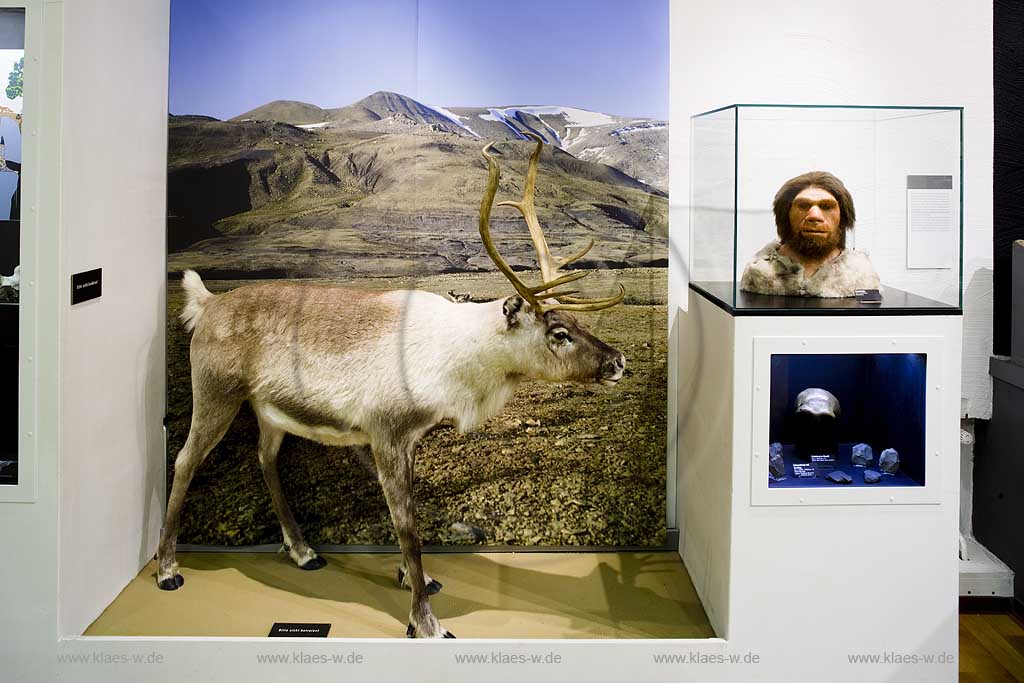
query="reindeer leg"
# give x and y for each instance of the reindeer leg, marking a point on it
(394, 468)
(210, 421)
(365, 457)
(433, 585)
(270, 444)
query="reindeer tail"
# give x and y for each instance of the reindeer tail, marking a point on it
(196, 296)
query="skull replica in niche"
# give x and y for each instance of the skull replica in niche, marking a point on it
(815, 421)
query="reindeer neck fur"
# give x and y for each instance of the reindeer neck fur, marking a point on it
(468, 361)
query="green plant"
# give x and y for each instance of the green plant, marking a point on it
(16, 79)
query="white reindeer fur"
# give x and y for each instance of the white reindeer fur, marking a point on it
(196, 294)
(465, 361)
(453, 360)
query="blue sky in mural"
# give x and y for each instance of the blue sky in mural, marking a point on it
(230, 56)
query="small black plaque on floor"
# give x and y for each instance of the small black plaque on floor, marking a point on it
(286, 630)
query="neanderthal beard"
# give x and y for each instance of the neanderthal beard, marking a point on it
(814, 247)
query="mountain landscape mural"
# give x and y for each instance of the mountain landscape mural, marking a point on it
(383, 193)
(388, 185)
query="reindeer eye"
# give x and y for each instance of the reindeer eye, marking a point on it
(561, 335)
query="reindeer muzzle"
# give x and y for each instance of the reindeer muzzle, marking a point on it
(612, 370)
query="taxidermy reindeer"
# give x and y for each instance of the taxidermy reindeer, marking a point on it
(348, 367)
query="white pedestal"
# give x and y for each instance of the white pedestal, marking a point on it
(812, 577)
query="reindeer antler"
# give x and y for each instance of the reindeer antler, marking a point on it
(549, 264)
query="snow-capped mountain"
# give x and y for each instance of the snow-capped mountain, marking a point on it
(636, 146)
(555, 124)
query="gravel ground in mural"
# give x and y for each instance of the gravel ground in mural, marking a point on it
(563, 464)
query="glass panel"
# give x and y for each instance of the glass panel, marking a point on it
(712, 212)
(847, 419)
(900, 167)
(12, 60)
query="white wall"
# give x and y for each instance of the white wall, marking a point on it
(28, 530)
(112, 349)
(913, 52)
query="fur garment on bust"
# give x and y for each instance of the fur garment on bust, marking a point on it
(771, 272)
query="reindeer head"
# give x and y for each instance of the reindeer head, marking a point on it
(554, 345)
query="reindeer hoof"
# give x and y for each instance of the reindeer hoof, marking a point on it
(315, 563)
(172, 583)
(410, 632)
(433, 586)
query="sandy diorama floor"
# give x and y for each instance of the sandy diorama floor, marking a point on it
(485, 595)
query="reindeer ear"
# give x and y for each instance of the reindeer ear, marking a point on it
(513, 308)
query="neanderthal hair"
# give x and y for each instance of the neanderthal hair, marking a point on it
(826, 181)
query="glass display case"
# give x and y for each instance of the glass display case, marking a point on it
(830, 209)
(831, 420)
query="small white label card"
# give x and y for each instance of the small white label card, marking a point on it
(930, 206)
(803, 470)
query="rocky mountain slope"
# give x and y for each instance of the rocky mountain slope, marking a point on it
(636, 146)
(268, 199)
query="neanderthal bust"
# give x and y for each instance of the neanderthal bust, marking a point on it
(813, 213)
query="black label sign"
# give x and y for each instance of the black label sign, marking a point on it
(86, 286)
(286, 630)
(868, 296)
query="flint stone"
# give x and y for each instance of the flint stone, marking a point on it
(871, 477)
(776, 466)
(889, 461)
(839, 477)
(862, 454)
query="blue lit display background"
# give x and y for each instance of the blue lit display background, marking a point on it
(882, 397)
